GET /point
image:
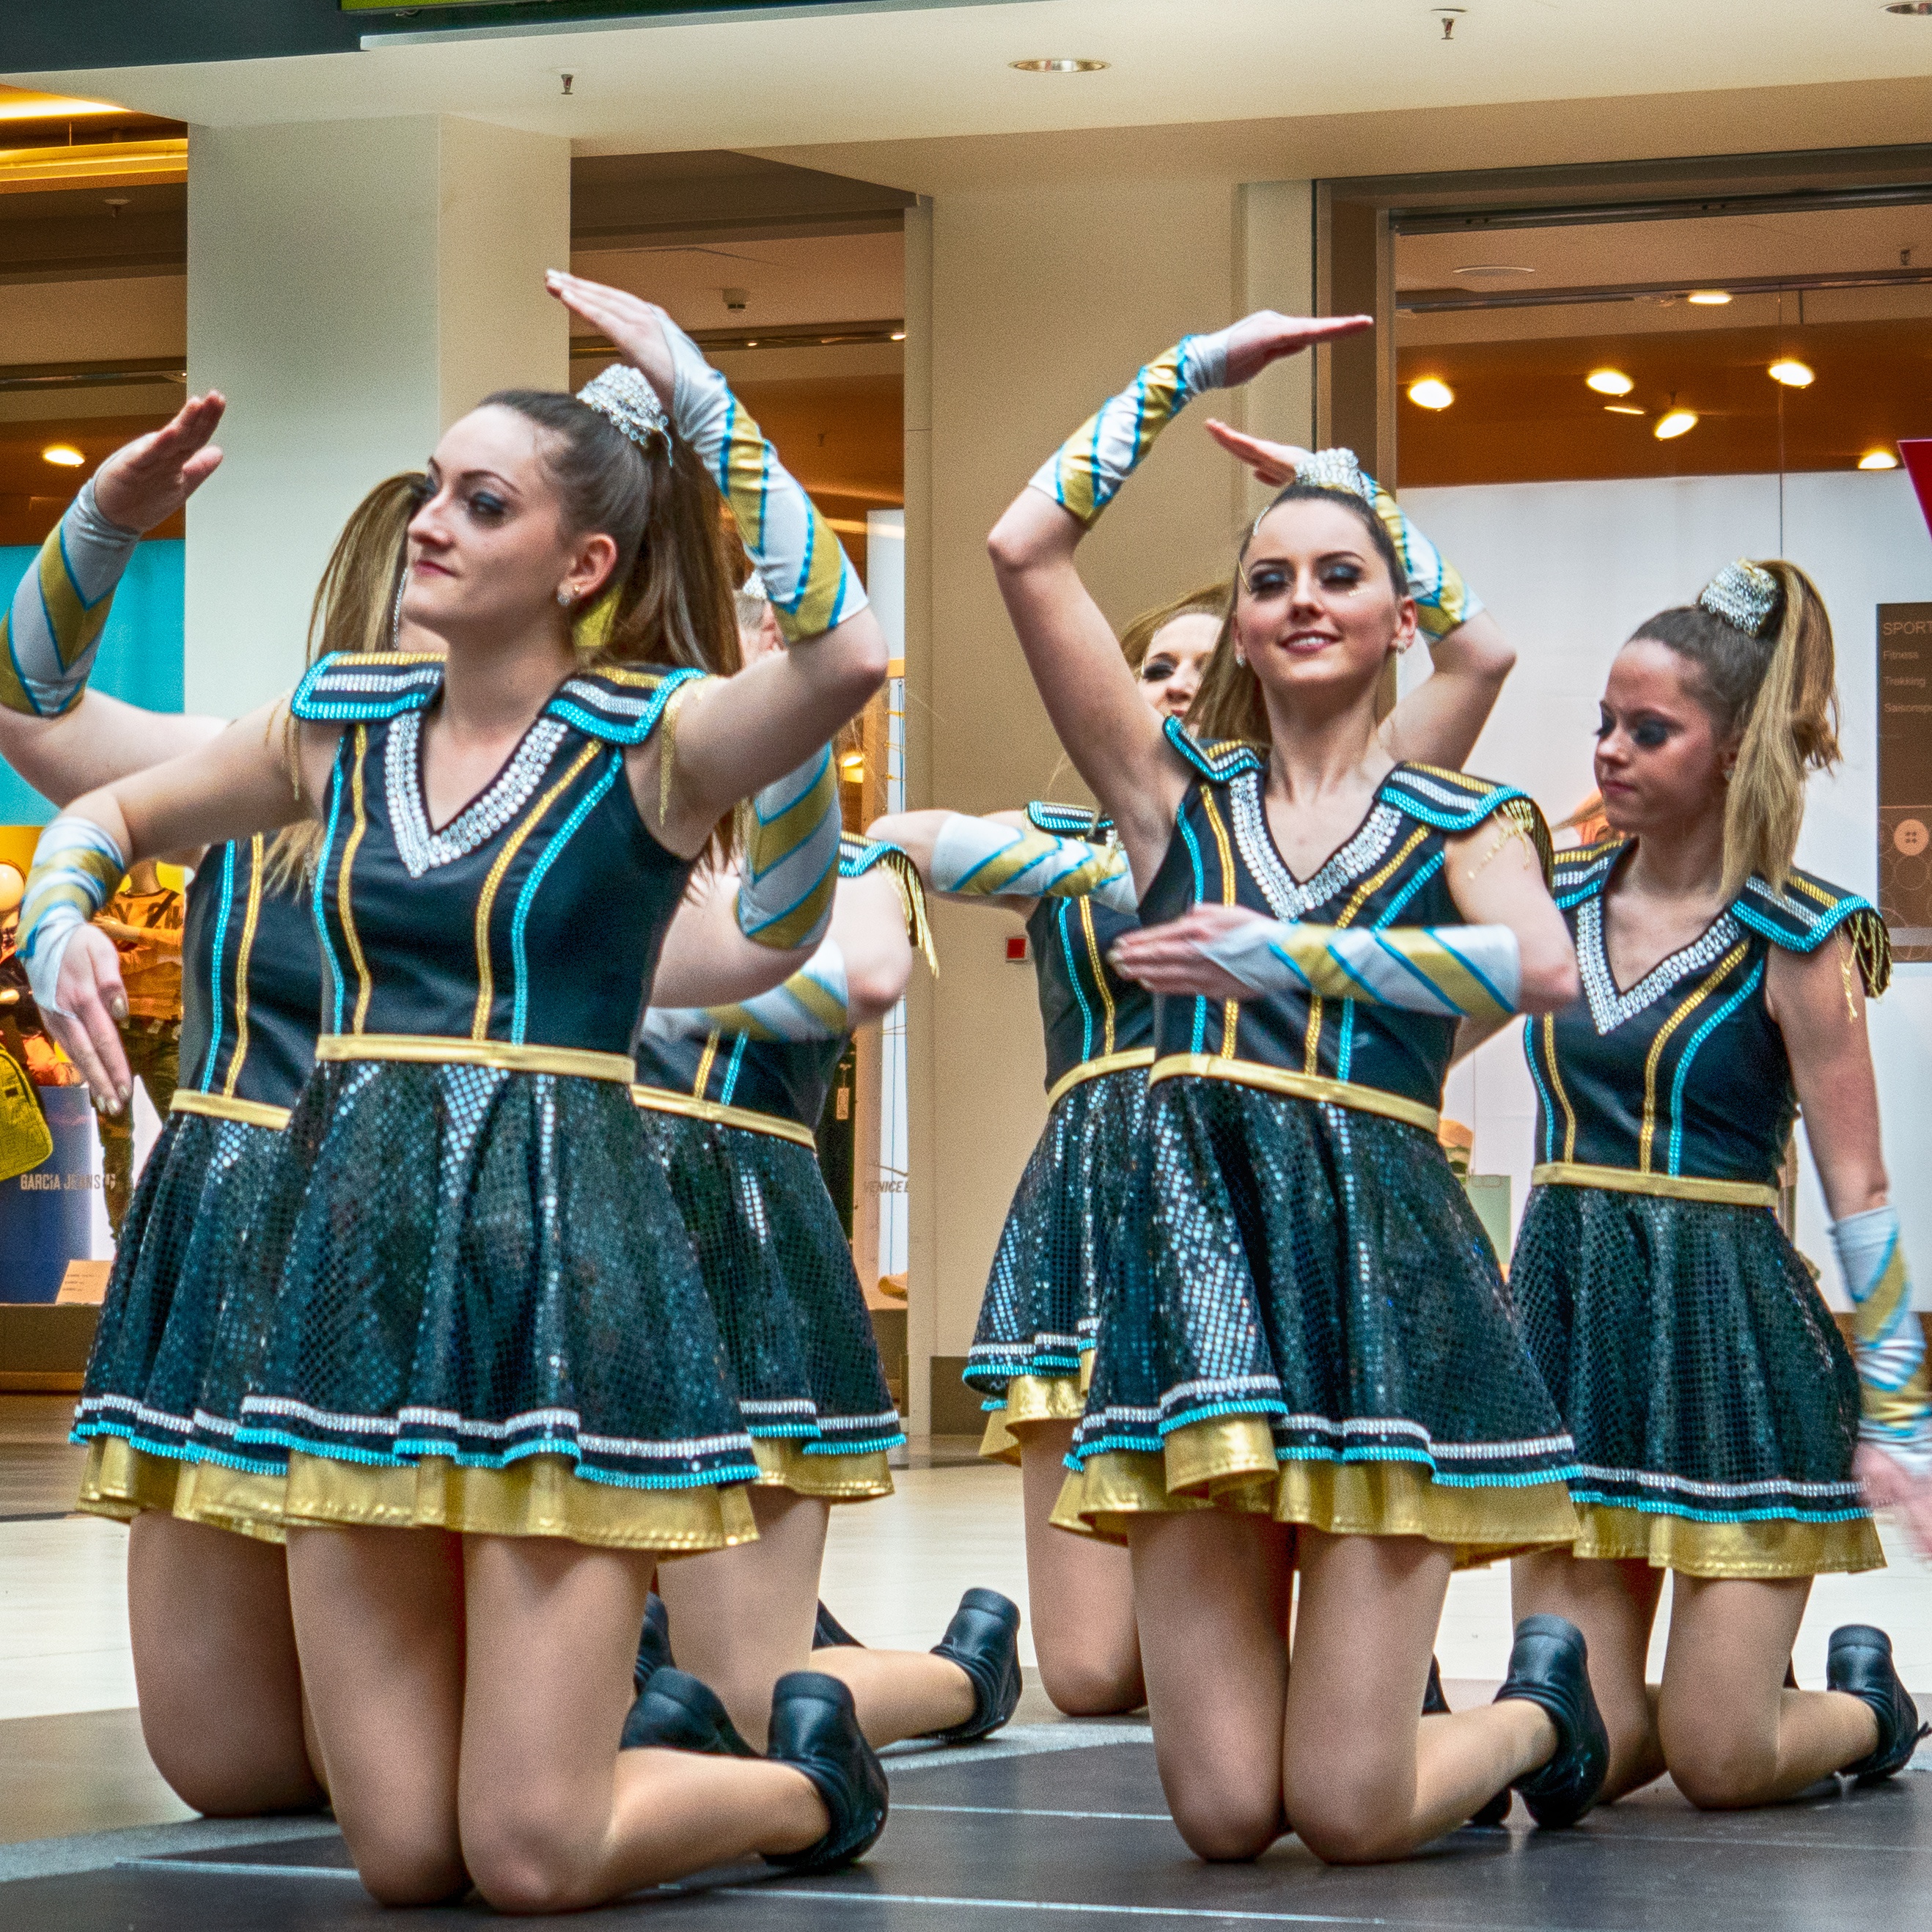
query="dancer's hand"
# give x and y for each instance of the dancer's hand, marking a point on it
(1887, 1485)
(146, 481)
(1168, 957)
(90, 990)
(1265, 337)
(1276, 464)
(634, 326)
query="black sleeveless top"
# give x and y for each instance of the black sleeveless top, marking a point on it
(535, 917)
(1087, 1011)
(1685, 1074)
(1390, 871)
(251, 981)
(788, 1080)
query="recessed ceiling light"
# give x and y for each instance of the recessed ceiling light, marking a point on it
(1878, 459)
(898, 335)
(852, 766)
(1494, 269)
(1791, 372)
(1061, 65)
(1623, 409)
(62, 455)
(1431, 393)
(1675, 423)
(1609, 382)
(1709, 298)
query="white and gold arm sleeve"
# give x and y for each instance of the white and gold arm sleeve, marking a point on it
(1454, 972)
(1895, 1401)
(980, 858)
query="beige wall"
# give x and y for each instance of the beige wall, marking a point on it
(352, 288)
(1042, 300)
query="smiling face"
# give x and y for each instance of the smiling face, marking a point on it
(1659, 759)
(487, 547)
(1176, 655)
(1316, 610)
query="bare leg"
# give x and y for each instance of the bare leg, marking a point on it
(1364, 1778)
(379, 1615)
(553, 1817)
(1614, 1605)
(900, 1694)
(1732, 1735)
(216, 1669)
(1080, 1593)
(1211, 1594)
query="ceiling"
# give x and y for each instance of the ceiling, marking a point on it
(890, 70)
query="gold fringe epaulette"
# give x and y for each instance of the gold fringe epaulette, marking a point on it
(857, 857)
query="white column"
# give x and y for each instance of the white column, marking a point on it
(353, 287)
(1274, 268)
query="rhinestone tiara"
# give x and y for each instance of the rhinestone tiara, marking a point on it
(753, 587)
(625, 399)
(1742, 594)
(1335, 469)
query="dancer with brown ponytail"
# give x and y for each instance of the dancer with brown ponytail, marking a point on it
(1309, 1357)
(1724, 1433)
(501, 1343)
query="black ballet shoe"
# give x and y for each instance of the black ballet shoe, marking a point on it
(815, 1729)
(829, 1633)
(653, 1643)
(1434, 1705)
(1858, 1662)
(983, 1639)
(1548, 1667)
(675, 1712)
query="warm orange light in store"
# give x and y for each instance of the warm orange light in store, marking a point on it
(1709, 298)
(1061, 64)
(1878, 459)
(1609, 382)
(19, 104)
(898, 335)
(62, 455)
(1431, 393)
(852, 766)
(1623, 409)
(1675, 423)
(1791, 372)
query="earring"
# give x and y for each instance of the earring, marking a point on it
(1240, 658)
(565, 599)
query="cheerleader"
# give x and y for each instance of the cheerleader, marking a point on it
(1060, 866)
(1724, 1432)
(1309, 1355)
(731, 1096)
(490, 1388)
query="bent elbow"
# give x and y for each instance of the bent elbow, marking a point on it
(1009, 545)
(872, 991)
(1550, 985)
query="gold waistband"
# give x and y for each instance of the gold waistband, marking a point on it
(661, 1101)
(1298, 1086)
(225, 1107)
(1672, 1186)
(1092, 1069)
(434, 1049)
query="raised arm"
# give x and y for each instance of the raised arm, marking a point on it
(1002, 859)
(1818, 1001)
(63, 739)
(1439, 722)
(1115, 742)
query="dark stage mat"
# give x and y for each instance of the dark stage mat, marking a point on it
(1064, 1836)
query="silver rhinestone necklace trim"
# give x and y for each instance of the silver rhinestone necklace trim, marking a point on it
(480, 819)
(1609, 1008)
(1288, 897)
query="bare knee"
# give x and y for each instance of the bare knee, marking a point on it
(1352, 1833)
(231, 1780)
(1087, 1686)
(397, 1869)
(1226, 1828)
(522, 1861)
(1720, 1774)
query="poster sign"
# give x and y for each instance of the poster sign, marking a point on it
(1905, 776)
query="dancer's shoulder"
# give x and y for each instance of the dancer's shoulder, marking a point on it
(1808, 911)
(622, 704)
(1219, 760)
(1068, 821)
(360, 687)
(1582, 872)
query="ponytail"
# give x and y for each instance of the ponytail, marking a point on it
(1776, 689)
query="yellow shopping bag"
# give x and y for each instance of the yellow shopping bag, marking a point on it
(25, 1142)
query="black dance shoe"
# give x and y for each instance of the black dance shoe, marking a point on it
(1858, 1662)
(654, 1642)
(829, 1633)
(675, 1712)
(815, 1729)
(1434, 1705)
(1548, 1667)
(983, 1639)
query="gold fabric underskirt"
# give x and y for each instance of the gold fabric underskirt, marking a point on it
(783, 1465)
(1779, 1548)
(1031, 1399)
(120, 1481)
(1229, 1463)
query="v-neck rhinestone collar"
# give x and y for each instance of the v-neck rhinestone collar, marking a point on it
(482, 818)
(1609, 1008)
(1289, 897)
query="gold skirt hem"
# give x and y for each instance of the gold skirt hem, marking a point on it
(1229, 1463)
(1768, 1550)
(120, 1481)
(1031, 1399)
(783, 1465)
